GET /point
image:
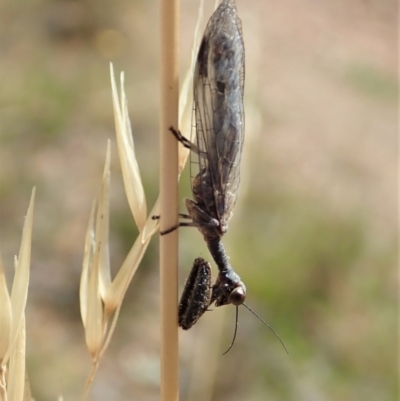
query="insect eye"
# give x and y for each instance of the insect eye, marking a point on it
(237, 296)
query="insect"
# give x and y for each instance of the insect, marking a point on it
(215, 158)
(215, 163)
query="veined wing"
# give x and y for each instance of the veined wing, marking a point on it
(218, 107)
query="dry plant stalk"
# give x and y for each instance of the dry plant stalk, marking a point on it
(169, 90)
(12, 319)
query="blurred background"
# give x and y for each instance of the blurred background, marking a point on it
(314, 232)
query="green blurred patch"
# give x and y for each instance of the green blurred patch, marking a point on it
(298, 245)
(325, 288)
(372, 82)
(295, 257)
(40, 109)
(48, 100)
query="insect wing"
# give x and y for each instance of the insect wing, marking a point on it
(218, 109)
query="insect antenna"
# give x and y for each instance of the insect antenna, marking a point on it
(234, 334)
(276, 334)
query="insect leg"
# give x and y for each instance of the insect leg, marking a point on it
(181, 215)
(181, 224)
(186, 142)
(199, 216)
(183, 140)
(184, 216)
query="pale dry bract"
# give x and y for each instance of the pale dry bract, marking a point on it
(12, 318)
(96, 275)
(16, 374)
(87, 261)
(5, 328)
(5, 314)
(126, 150)
(185, 100)
(19, 292)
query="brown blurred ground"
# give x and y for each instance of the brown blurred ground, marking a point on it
(314, 234)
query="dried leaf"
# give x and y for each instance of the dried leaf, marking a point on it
(19, 292)
(124, 276)
(5, 314)
(3, 387)
(94, 332)
(16, 373)
(130, 169)
(102, 228)
(99, 271)
(90, 244)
